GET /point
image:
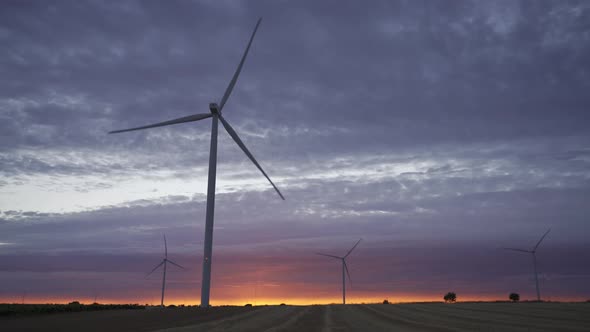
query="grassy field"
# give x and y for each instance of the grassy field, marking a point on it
(374, 317)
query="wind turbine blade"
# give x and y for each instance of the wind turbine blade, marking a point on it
(165, 247)
(522, 250)
(171, 262)
(347, 273)
(348, 253)
(535, 248)
(230, 87)
(155, 268)
(190, 118)
(317, 253)
(236, 138)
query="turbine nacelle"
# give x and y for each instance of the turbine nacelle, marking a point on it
(214, 108)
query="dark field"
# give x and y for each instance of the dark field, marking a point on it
(374, 317)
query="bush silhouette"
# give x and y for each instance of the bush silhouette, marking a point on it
(514, 297)
(385, 302)
(248, 305)
(450, 297)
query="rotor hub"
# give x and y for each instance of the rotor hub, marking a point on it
(214, 108)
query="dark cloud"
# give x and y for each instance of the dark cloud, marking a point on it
(401, 74)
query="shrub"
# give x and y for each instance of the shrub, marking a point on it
(514, 297)
(385, 302)
(248, 305)
(450, 297)
(282, 304)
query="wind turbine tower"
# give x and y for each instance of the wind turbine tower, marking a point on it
(164, 262)
(533, 252)
(215, 114)
(344, 269)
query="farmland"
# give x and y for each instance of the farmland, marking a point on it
(374, 317)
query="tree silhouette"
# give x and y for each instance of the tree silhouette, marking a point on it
(450, 297)
(514, 297)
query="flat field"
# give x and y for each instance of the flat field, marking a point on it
(355, 317)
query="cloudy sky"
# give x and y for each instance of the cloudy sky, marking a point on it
(437, 132)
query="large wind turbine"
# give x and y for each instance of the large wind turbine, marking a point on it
(344, 268)
(164, 262)
(215, 113)
(533, 252)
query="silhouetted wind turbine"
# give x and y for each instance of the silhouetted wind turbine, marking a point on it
(215, 114)
(164, 262)
(344, 268)
(534, 260)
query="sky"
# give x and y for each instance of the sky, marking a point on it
(437, 132)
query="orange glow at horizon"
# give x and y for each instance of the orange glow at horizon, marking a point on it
(266, 300)
(271, 279)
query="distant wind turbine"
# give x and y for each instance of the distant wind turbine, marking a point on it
(164, 262)
(215, 114)
(533, 252)
(344, 268)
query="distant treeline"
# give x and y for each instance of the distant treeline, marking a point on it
(7, 309)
